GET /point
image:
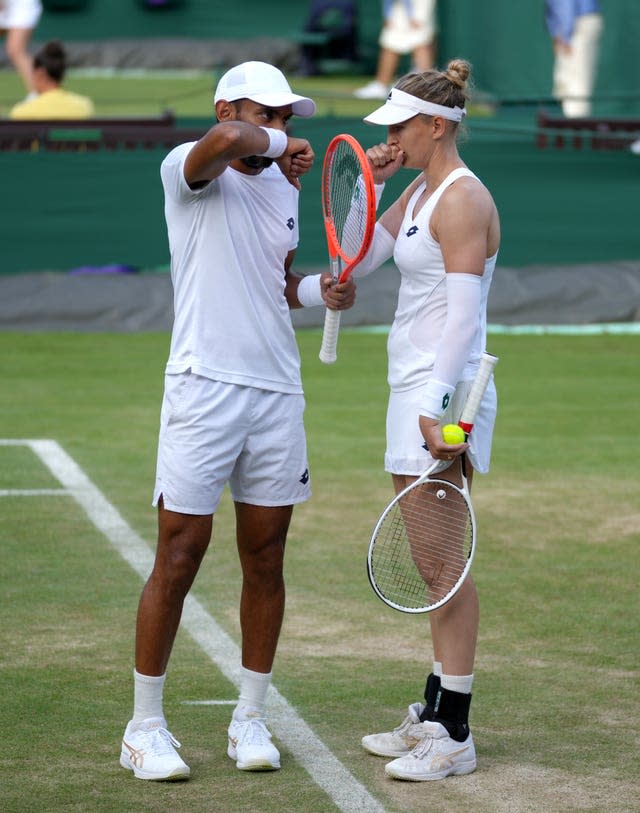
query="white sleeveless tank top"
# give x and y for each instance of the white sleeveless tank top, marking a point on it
(422, 301)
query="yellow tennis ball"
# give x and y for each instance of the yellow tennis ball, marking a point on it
(452, 433)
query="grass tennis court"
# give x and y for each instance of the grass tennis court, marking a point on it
(555, 716)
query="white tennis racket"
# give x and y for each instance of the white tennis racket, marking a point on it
(422, 546)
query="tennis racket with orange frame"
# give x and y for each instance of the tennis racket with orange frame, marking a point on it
(349, 211)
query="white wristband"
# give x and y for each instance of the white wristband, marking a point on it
(309, 291)
(278, 140)
(436, 399)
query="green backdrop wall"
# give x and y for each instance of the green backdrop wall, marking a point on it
(505, 39)
(76, 209)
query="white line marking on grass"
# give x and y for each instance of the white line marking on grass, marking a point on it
(34, 492)
(597, 329)
(348, 795)
(208, 702)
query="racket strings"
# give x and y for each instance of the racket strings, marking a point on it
(346, 201)
(422, 546)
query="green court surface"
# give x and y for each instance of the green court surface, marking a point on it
(555, 693)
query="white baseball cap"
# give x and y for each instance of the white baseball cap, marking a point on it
(262, 83)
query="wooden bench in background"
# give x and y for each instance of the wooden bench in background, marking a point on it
(597, 133)
(94, 134)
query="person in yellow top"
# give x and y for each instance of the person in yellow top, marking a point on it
(52, 101)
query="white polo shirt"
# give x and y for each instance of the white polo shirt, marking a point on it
(228, 242)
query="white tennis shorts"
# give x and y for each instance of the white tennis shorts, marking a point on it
(400, 35)
(213, 433)
(405, 445)
(19, 14)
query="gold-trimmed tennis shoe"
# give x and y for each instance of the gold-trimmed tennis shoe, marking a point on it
(401, 740)
(437, 755)
(149, 750)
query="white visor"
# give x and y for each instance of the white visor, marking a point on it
(401, 106)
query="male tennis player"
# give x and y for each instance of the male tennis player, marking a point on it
(233, 403)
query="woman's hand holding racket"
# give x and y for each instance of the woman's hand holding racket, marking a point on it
(439, 448)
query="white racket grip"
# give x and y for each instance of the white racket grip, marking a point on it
(470, 410)
(329, 345)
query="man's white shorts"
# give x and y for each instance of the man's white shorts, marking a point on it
(405, 445)
(213, 433)
(20, 14)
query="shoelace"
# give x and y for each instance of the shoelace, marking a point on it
(161, 742)
(405, 725)
(253, 731)
(422, 747)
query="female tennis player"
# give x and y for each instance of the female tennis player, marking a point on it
(443, 233)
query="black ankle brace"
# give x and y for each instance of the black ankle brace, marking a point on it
(430, 697)
(451, 709)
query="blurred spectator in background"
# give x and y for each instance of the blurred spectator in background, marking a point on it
(409, 27)
(52, 102)
(329, 35)
(575, 27)
(18, 18)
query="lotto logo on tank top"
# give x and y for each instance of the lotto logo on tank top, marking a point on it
(412, 231)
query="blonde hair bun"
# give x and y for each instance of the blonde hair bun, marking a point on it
(458, 71)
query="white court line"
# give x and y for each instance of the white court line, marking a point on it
(34, 492)
(349, 795)
(209, 702)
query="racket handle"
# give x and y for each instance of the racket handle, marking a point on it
(329, 346)
(487, 363)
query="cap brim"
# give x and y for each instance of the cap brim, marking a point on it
(301, 105)
(390, 113)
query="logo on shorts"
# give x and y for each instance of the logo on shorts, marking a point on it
(412, 231)
(291, 223)
(305, 477)
(445, 400)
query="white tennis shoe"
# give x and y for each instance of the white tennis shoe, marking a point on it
(373, 90)
(251, 747)
(435, 757)
(149, 750)
(401, 740)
